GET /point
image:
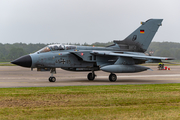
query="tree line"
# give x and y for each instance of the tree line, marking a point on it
(165, 49)
(9, 52)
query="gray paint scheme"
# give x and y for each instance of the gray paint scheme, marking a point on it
(121, 57)
(139, 42)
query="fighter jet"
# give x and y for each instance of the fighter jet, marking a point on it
(121, 57)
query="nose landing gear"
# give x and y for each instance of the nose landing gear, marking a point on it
(52, 78)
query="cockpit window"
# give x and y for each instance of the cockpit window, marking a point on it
(45, 49)
(69, 47)
(56, 47)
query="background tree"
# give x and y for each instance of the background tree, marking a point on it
(15, 53)
(9, 52)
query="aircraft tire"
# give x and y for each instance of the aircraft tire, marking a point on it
(90, 77)
(52, 79)
(112, 77)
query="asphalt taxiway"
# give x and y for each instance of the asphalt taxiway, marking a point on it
(15, 76)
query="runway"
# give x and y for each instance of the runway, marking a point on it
(15, 76)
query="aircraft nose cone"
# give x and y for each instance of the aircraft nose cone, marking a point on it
(24, 61)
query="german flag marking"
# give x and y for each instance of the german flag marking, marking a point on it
(142, 31)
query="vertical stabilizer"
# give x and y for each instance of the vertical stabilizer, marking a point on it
(143, 35)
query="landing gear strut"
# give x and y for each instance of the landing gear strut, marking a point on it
(112, 77)
(52, 78)
(91, 76)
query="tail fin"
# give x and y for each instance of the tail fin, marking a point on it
(142, 36)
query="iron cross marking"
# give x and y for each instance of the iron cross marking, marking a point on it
(62, 61)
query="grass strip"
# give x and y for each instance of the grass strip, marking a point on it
(156, 101)
(6, 64)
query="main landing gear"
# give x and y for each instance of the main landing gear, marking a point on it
(112, 77)
(52, 78)
(91, 76)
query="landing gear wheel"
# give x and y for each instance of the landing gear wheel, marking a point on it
(112, 77)
(52, 79)
(90, 77)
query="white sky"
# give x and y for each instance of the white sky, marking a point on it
(80, 21)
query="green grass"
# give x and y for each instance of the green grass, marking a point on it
(6, 64)
(161, 101)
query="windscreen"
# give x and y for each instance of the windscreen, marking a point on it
(56, 47)
(52, 48)
(45, 49)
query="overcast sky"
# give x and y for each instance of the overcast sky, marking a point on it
(80, 21)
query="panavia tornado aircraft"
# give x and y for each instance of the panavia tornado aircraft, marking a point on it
(120, 57)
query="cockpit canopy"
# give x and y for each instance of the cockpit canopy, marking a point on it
(57, 47)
